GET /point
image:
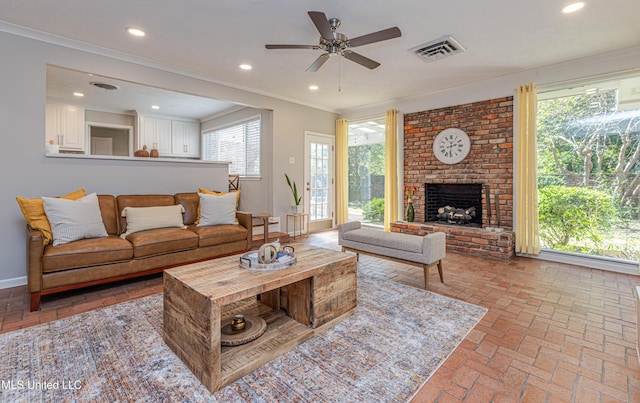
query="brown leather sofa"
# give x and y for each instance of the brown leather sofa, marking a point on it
(88, 262)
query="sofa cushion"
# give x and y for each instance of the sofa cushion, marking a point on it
(217, 210)
(72, 220)
(390, 240)
(33, 211)
(214, 193)
(162, 241)
(219, 234)
(145, 218)
(86, 252)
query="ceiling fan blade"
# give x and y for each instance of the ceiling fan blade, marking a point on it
(383, 35)
(318, 63)
(314, 47)
(358, 58)
(322, 24)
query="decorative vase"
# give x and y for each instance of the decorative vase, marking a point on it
(295, 209)
(411, 214)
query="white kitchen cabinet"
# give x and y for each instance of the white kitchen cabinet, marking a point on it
(65, 125)
(185, 137)
(154, 133)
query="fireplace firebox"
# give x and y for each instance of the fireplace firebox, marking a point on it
(465, 199)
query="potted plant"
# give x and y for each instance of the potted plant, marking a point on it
(296, 198)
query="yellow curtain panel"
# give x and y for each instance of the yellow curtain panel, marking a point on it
(342, 171)
(391, 169)
(526, 192)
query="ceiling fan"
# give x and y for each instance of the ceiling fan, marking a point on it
(335, 43)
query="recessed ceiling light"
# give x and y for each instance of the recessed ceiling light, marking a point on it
(313, 87)
(155, 107)
(135, 31)
(78, 94)
(246, 67)
(573, 7)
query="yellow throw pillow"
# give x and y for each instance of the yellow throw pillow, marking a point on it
(211, 192)
(33, 211)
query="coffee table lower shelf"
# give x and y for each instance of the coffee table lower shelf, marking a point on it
(282, 334)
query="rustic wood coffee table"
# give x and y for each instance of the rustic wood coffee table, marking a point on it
(297, 303)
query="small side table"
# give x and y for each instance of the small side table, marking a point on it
(304, 222)
(265, 218)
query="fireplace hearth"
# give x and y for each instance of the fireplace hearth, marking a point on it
(454, 203)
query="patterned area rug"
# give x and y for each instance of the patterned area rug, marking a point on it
(384, 352)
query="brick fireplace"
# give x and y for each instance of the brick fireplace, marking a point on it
(489, 165)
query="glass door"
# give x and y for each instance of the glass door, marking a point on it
(319, 179)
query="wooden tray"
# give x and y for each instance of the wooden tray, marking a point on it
(254, 328)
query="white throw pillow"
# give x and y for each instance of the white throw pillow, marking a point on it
(144, 218)
(72, 220)
(217, 210)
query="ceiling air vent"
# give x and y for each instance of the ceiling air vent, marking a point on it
(105, 86)
(435, 50)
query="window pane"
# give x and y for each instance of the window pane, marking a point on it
(367, 170)
(239, 143)
(589, 170)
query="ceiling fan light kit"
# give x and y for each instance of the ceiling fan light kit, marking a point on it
(336, 43)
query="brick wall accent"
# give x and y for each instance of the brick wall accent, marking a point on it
(489, 125)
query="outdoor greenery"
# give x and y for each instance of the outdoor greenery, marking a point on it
(373, 211)
(588, 174)
(366, 181)
(366, 163)
(567, 213)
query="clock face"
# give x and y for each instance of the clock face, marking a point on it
(451, 146)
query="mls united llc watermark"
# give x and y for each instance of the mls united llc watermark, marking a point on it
(40, 384)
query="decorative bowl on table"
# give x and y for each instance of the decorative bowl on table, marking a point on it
(281, 259)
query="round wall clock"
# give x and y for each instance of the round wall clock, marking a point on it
(451, 146)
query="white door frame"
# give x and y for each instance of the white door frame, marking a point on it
(330, 139)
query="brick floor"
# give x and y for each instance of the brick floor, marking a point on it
(553, 332)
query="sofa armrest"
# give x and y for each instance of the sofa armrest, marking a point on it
(246, 220)
(434, 245)
(346, 227)
(35, 250)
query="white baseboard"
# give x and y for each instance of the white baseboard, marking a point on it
(13, 282)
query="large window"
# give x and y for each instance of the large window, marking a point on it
(589, 168)
(367, 170)
(238, 143)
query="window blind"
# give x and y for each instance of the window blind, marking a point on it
(238, 143)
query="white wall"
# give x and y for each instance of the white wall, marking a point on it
(27, 172)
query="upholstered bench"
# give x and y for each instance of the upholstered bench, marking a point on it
(424, 251)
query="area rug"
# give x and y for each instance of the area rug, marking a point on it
(394, 342)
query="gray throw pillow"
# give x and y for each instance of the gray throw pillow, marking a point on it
(72, 220)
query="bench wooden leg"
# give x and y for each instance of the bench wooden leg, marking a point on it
(357, 254)
(440, 271)
(426, 275)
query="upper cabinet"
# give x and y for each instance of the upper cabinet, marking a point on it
(155, 133)
(185, 137)
(65, 126)
(172, 138)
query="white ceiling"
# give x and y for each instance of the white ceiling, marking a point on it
(211, 38)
